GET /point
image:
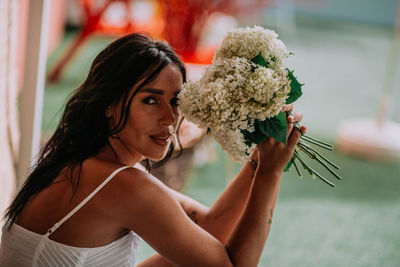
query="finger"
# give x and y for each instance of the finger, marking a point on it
(289, 130)
(295, 117)
(294, 138)
(290, 118)
(298, 116)
(287, 108)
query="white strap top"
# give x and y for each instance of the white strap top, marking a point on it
(55, 227)
(21, 247)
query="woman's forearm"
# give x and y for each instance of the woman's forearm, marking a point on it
(225, 213)
(251, 232)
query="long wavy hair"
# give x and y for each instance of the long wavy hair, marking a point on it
(84, 129)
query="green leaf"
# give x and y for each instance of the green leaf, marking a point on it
(288, 165)
(259, 60)
(255, 137)
(275, 127)
(295, 88)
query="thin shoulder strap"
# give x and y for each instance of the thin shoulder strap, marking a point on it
(54, 228)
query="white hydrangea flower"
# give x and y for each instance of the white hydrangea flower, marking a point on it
(233, 92)
(249, 42)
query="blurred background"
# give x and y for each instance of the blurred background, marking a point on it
(346, 52)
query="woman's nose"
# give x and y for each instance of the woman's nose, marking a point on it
(168, 116)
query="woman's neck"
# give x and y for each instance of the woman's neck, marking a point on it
(115, 151)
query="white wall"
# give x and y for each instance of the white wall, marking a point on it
(8, 97)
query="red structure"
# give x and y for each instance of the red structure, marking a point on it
(93, 12)
(185, 21)
(179, 22)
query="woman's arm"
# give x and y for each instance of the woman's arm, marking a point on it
(156, 261)
(222, 217)
(257, 217)
(224, 214)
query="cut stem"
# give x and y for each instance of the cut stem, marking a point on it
(317, 144)
(319, 154)
(317, 140)
(313, 156)
(313, 171)
(297, 169)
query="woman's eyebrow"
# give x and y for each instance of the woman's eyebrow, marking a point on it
(151, 90)
(155, 91)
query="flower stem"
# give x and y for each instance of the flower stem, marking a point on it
(313, 171)
(319, 154)
(317, 144)
(313, 156)
(297, 169)
(316, 140)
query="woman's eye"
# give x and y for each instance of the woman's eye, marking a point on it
(150, 101)
(175, 101)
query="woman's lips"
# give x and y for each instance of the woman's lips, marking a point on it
(161, 140)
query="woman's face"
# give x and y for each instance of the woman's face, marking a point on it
(153, 115)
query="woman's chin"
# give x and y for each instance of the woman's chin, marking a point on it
(156, 153)
(157, 157)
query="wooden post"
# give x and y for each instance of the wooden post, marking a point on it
(33, 87)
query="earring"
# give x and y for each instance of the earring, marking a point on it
(107, 113)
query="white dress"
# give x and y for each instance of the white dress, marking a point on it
(21, 247)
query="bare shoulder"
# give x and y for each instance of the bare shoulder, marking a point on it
(128, 182)
(136, 185)
(131, 191)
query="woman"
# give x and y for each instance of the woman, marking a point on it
(87, 201)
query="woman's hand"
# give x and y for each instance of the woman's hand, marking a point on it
(274, 155)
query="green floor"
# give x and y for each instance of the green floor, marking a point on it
(357, 223)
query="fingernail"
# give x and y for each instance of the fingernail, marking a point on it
(291, 118)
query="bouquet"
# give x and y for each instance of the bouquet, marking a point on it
(240, 96)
